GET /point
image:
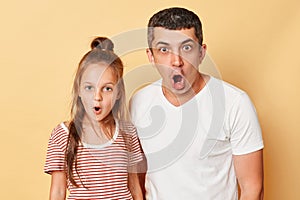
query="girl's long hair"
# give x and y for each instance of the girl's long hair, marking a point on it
(101, 52)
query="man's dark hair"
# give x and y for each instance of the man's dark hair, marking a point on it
(175, 19)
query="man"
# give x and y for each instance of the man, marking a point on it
(200, 135)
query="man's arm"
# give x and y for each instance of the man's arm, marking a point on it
(249, 173)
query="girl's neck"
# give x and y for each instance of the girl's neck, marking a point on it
(98, 132)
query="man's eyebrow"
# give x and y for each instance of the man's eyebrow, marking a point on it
(188, 40)
(161, 42)
(183, 42)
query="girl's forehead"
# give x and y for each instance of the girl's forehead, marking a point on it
(98, 71)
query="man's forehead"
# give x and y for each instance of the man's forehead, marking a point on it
(162, 35)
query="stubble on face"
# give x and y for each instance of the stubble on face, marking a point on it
(177, 56)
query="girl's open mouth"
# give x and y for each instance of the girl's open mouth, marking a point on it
(97, 110)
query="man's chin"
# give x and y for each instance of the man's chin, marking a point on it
(180, 90)
(178, 86)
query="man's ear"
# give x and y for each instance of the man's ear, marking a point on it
(150, 55)
(203, 51)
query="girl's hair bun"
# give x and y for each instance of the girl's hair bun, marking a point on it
(102, 43)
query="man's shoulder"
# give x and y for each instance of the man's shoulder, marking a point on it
(228, 89)
(232, 98)
(143, 100)
(148, 91)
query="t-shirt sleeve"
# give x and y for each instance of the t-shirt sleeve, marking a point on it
(55, 157)
(135, 154)
(246, 136)
(132, 109)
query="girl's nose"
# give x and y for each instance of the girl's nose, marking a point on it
(97, 95)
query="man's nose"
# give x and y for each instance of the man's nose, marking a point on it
(176, 60)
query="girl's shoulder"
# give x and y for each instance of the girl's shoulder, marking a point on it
(127, 127)
(65, 123)
(60, 132)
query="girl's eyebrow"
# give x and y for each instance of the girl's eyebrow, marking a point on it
(109, 83)
(87, 82)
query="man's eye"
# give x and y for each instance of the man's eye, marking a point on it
(163, 49)
(187, 47)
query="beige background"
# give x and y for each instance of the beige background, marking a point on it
(252, 44)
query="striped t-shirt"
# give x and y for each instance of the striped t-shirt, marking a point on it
(102, 169)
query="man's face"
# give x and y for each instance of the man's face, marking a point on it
(177, 56)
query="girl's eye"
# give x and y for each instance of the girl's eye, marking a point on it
(107, 89)
(88, 87)
(187, 47)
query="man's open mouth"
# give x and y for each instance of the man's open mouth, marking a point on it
(177, 78)
(178, 81)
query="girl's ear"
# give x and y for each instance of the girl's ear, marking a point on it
(118, 95)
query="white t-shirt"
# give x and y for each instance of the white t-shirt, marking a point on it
(189, 148)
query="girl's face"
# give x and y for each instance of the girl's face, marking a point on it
(98, 91)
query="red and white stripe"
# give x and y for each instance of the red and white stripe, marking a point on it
(103, 171)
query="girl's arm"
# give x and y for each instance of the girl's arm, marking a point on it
(58, 185)
(134, 186)
(136, 179)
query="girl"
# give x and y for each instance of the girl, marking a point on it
(92, 153)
